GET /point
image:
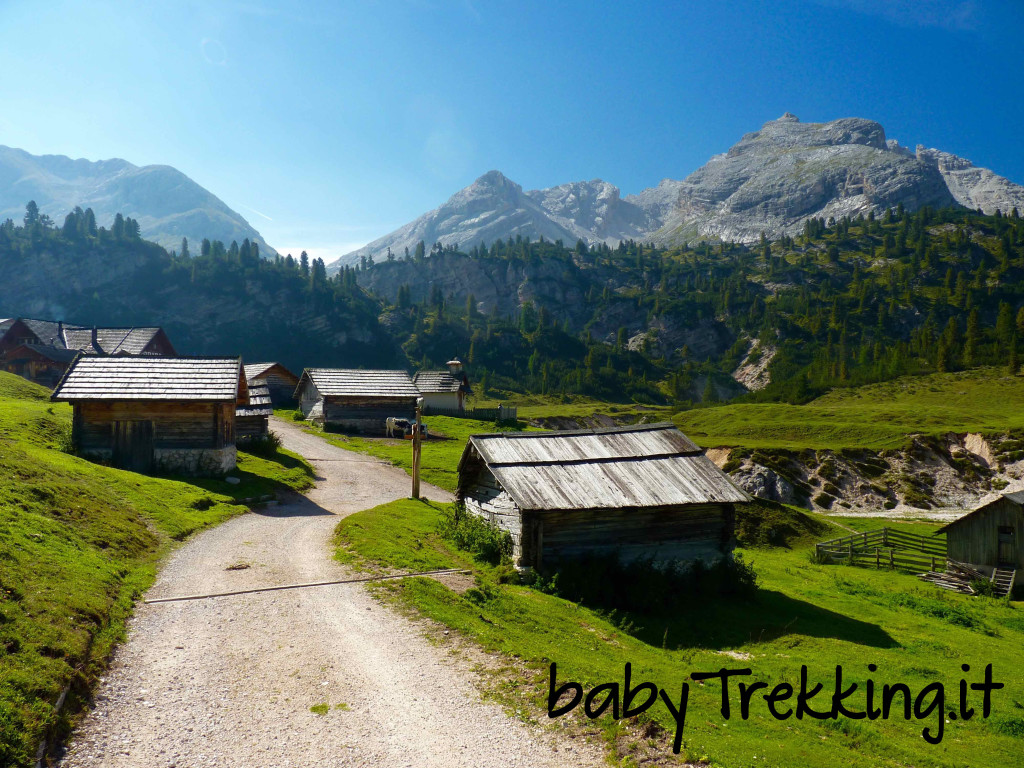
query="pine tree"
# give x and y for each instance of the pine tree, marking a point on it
(184, 248)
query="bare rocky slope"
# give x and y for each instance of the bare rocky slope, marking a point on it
(167, 204)
(771, 181)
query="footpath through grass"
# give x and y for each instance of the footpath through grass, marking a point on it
(79, 543)
(809, 614)
(877, 416)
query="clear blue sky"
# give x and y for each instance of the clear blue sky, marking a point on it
(327, 125)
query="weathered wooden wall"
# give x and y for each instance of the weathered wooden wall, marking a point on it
(490, 501)
(546, 539)
(250, 428)
(976, 538)
(282, 388)
(683, 533)
(43, 372)
(366, 415)
(176, 425)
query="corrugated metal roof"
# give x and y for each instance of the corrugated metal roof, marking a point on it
(438, 381)
(151, 378)
(646, 466)
(353, 382)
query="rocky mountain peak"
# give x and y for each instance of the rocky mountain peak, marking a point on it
(789, 117)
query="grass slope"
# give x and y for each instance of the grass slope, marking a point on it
(803, 614)
(876, 416)
(79, 542)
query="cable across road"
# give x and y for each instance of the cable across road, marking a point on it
(184, 598)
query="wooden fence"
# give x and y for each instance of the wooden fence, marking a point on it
(885, 548)
(501, 413)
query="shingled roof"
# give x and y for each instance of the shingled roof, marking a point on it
(56, 354)
(439, 381)
(109, 341)
(354, 382)
(152, 378)
(259, 401)
(255, 370)
(652, 465)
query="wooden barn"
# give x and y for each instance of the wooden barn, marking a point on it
(355, 400)
(38, 349)
(279, 381)
(642, 491)
(252, 420)
(173, 415)
(443, 391)
(990, 537)
(38, 363)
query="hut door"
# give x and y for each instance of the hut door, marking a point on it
(1007, 546)
(133, 445)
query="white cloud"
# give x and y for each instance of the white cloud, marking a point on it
(957, 15)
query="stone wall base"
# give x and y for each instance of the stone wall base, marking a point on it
(195, 461)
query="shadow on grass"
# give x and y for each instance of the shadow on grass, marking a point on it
(727, 623)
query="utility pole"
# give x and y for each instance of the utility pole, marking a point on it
(417, 430)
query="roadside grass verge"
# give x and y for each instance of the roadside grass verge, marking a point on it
(79, 543)
(803, 614)
(876, 416)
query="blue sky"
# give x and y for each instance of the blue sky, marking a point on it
(329, 124)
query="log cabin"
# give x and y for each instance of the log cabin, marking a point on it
(641, 492)
(36, 349)
(990, 536)
(252, 419)
(355, 400)
(279, 381)
(172, 415)
(444, 391)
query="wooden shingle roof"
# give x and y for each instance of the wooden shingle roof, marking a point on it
(109, 341)
(152, 378)
(255, 370)
(439, 381)
(259, 401)
(353, 382)
(652, 465)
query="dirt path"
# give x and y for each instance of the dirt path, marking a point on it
(230, 681)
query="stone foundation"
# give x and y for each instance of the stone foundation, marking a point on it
(195, 461)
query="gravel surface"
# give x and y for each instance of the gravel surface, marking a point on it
(230, 681)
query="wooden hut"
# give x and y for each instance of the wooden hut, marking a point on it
(279, 381)
(41, 350)
(252, 419)
(38, 363)
(443, 391)
(642, 491)
(356, 400)
(989, 537)
(174, 415)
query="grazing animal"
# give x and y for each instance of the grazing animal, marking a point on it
(395, 425)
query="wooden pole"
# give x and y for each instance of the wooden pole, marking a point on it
(416, 431)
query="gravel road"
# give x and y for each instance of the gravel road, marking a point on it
(229, 681)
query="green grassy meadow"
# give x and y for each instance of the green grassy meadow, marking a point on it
(876, 416)
(79, 543)
(803, 613)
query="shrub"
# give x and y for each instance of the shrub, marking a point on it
(642, 586)
(298, 416)
(473, 534)
(264, 446)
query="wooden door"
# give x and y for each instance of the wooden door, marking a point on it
(1007, 555)
(133, 445)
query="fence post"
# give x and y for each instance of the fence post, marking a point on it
(878, 561)
(892, 564)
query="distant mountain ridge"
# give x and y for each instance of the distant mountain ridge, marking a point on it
(771, 181)
(167, 204)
